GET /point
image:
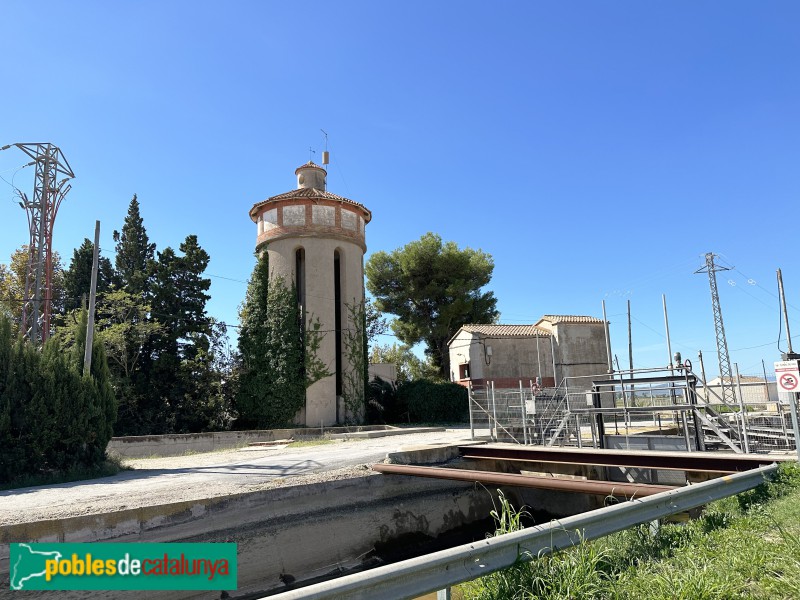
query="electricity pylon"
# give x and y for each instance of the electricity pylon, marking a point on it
(725, 374)
(48, 192)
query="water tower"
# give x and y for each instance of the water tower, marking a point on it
(316, 239)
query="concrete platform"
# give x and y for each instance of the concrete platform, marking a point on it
(366, 435)
(295, 532)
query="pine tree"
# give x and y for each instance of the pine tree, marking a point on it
(134, 252)
(179, 303)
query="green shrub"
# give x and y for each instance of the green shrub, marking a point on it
(382, 402)
(430, 402)
(52, 418)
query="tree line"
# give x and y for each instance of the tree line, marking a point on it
(170, 365)
(168, 360)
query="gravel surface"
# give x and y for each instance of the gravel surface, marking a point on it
(154, 481)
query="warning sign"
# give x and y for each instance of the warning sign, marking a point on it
(787, 373)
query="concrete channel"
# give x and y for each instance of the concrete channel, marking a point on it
(298, 534)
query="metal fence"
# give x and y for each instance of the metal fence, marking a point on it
(643, 409)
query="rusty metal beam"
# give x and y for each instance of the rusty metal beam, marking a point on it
(633, 464)
(598, 488)
(694, 461)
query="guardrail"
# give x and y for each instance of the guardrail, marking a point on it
(439, 570)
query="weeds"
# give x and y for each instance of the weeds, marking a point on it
(747, 546)
(507, 519)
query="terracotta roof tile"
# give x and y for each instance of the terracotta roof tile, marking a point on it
(309, 164)
(506, 330)
(312, 193)
(556, 319)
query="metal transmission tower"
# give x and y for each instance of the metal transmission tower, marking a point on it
(48, 192)
(725, 373)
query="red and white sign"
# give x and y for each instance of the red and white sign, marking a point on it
(787, 373)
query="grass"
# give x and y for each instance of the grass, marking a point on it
(746, 546)
(111, 466)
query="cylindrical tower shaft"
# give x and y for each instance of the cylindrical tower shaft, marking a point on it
(316, 240)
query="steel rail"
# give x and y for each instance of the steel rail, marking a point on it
(439, 570)
(599, 462)
(634, 409)
(587, 486)
(704, 461)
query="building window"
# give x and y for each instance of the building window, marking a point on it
(337, 303)
(463, 371)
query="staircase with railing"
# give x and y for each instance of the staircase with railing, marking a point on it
(560, 416)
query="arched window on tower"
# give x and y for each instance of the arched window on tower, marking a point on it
(337, 302)
(300, 279)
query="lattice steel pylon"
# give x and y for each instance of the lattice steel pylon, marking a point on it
(48, 192)
(725, 373)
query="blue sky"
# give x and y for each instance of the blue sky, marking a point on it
(595, 150)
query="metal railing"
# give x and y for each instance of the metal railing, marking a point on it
(679, 407)
(440, 570)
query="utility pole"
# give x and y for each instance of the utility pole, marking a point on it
(608, 340)
(630, 354)
(666, 327)
(48, 193)
(630, 340)
(725, 373)
(789, 355)
(87, 351)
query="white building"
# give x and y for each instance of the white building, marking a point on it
(555, 347)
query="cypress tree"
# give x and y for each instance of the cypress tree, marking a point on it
(52, 417)
(5, 351)
(254, 378)
(287, 394)
(63, 394)
(92, 394)
(271, 383)
(105, 414)
(6, 459)
(27, 414)
(78, 278)
(134, 252)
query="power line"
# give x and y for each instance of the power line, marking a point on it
(752, 281)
